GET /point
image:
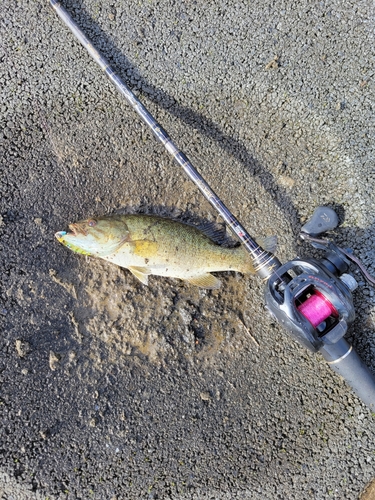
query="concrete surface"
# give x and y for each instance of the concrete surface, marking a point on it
(111, 390)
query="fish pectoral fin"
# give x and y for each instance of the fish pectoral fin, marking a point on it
(205, 280)
(141, 273)
(114, 247)
(144, 248)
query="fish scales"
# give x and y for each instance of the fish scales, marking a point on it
(147, 244)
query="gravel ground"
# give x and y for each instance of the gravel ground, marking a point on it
(112, 390)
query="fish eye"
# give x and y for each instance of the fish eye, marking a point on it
(92, 223)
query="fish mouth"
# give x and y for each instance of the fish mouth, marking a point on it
(60, 236)
(73, 230)
(76, 229)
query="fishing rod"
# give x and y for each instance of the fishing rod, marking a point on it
(264, 262)
(312, 299)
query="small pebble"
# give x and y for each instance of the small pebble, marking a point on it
(54, 360)
(205, 396)
(23, 348)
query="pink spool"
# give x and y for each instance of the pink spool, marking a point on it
(317, 309)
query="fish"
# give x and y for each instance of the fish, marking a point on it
(153, 245)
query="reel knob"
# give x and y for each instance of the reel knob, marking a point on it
(323, 219)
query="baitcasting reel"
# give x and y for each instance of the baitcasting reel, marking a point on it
(312, 299)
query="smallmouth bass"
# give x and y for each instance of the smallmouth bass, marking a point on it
(148, 244)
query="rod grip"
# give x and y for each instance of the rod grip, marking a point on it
(344, 360)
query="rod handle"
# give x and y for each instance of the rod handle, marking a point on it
(344, 360)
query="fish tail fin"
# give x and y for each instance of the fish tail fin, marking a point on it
(269, 244)
(245, 262)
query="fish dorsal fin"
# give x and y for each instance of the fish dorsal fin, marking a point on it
(144, 248)
(141, 273)
(269, 243)
(205, 280)
(216, 232)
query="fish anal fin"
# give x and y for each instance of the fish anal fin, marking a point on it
(140, 273)
(205, 280)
